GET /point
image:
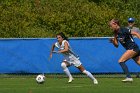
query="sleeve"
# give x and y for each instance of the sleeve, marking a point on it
(56, 45)
(64, 42)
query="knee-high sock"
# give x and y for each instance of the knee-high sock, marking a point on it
(89, 74)
(66, 70)
(125, 69)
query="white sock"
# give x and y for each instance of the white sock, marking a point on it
(66, 70)
(89, 74)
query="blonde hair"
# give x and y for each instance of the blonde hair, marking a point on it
(115, 21)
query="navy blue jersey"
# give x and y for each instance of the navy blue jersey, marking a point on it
(126, 39)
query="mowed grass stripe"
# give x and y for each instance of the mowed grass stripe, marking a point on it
(79, 85)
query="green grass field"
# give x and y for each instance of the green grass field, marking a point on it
(60, 85)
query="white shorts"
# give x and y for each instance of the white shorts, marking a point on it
(72, 60)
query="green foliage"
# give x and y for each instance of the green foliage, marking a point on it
(76, 18)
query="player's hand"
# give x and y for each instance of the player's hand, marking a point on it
(59, 51)
(55, 52)
(50, 56)
(111, 40)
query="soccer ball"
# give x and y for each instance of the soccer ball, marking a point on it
(40, 79)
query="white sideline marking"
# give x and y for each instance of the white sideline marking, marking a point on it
(49, 87)
(61, 87)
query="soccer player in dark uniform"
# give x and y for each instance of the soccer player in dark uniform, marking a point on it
(124, 36)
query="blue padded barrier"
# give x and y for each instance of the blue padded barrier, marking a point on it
(32, 56)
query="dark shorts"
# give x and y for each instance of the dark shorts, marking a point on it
(134, 47)
(136, 55)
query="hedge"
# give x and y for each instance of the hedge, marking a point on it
(76, 18)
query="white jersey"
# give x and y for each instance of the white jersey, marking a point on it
(62, 46)
(69, 56)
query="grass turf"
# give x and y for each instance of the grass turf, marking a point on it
(60, 85)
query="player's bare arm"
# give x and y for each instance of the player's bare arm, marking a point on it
(66, 48)
(52, 49)
(114, 41)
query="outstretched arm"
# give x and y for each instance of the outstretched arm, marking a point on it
(52, 49)
(114, 41)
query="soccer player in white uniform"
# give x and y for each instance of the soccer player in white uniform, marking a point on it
(70, 58)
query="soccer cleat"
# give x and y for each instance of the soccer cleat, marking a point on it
(128, 80)
(70, 80)
(95, 81)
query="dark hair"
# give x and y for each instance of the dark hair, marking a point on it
(62, 35)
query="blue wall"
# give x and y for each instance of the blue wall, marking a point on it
(32, 56)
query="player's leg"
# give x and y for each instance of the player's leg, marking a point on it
(126, 56)
(82, 69)
(137, 60)
(64, 65)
